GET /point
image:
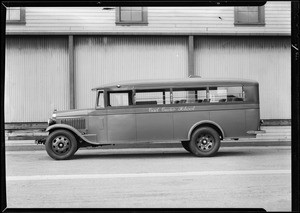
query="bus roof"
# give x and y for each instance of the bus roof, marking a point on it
(188, 82)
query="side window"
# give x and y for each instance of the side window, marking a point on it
(226, 94)
(100, 100)
(194, 95)
(131, 15)
(249, 15)
(116, 99)
(150, 97)
(15, 15)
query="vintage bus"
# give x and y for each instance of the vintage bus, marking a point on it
(197, 112)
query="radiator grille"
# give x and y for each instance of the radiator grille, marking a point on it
(78, 123)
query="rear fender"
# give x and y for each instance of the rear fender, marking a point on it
(209, 123)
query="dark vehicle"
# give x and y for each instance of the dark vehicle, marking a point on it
(197, 112)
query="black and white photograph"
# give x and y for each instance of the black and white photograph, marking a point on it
(145, 106)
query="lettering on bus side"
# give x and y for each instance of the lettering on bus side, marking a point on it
(172, 109)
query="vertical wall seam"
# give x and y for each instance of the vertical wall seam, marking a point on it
(191, 70)
(71, 71)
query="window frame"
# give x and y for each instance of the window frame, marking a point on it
(22, 17)
(130, 98)
(97, 99)
(261, 17)
(143, 22)
(243, 101)
(164, 91)
(193, 90)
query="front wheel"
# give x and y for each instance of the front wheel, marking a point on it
(205, 142)
(61, 145)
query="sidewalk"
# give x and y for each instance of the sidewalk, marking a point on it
(274, 136)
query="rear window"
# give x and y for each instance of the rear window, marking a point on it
(226, 94)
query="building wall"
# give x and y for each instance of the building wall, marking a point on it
(264, 59)
(164, 20)
(36, 77)
(37, 58)
(102, 59)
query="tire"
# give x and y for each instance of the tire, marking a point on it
(186, 145)
(61, 145)
(205, 142)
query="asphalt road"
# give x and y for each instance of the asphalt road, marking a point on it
(238, 177)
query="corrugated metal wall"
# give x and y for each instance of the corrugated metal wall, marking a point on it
(265, 59)
(100, 60)
(186, 20)
(36, 77)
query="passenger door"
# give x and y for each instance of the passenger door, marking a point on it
(121, 121)
(154, 121)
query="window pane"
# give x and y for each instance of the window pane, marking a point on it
(136, 16)
(148, 98)
(201, 95)
(195, 95)
(248, 15)
(181, 97)
(225, 94)
(217, 94)
(131, 14)
(118, 99)
(14, 15)
(253, 17)
(125, 16)
(100, 100)
(242, 17)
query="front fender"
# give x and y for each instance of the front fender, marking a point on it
(71, 129)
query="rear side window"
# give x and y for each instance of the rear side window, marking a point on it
(152, 97)
(226, 94)
(189, 95)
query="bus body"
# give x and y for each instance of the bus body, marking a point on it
(197, 112)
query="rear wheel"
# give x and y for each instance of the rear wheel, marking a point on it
(186, 145)
(205, 142)
(61, 145)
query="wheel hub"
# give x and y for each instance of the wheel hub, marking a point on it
(61, 144)
(205, 142)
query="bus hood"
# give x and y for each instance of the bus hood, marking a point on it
(71, 113)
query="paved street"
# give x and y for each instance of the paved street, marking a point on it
(244, 177)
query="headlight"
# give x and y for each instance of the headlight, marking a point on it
(54, 115)
(51, 121)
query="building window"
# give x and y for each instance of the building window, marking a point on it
(249, 15)
(131, 15)
(15, 15)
